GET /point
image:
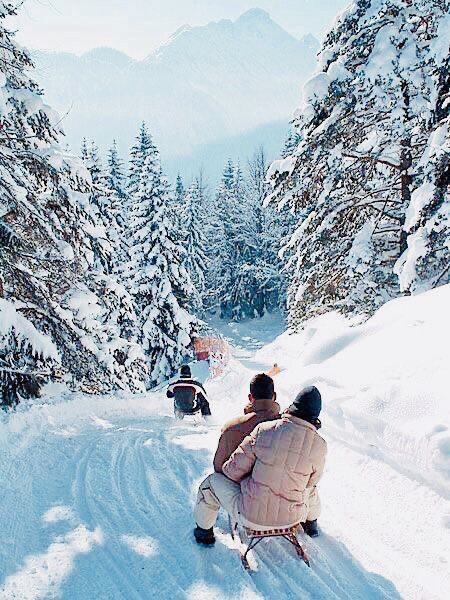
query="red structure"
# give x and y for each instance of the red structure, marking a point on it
(215, 350)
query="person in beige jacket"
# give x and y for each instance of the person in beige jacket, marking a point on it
(262, 406)
(270, 480)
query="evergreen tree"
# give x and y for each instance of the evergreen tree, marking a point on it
(84, 151)
(105, 238)
(269, 229)
(244, 276)
(27, 357)
(363, 126)
(161, 285)
(426, 261)
(94, 164)
(179, 191)
(117, 209)
(194, 224)
(142, 148)
(223, 256)
(292, 142)
(239, 226)
(47, 234)
(115, 176)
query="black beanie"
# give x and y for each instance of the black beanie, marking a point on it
(307, 405)
(185, 371)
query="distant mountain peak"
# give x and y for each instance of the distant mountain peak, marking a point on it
(180, 31)
(254, 15)
(208, 82)
(107, 54)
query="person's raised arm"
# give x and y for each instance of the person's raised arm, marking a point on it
(241, 462)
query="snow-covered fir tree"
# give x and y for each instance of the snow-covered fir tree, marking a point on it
(267, 228)
(84, 152)
(245, 276)
(142, 148)
(222, 252)
(238, 230)
(27, 357)
(115, 180)
(160, 284)
(180, 192)
(426, 261)
(48, 235)
(106, 235)
(195, 242)
(356, 178)
(115, 175)
(94, 163)
(291, 143)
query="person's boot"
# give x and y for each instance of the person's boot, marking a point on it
(204, 536)
(311, 528)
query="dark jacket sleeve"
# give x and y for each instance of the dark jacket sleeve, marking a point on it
(222, 452)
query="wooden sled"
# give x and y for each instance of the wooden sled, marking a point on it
(254, 537)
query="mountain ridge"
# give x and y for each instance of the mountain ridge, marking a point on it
(206, 83)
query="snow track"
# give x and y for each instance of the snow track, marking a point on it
(97, 503)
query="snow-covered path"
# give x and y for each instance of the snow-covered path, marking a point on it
(96, 503)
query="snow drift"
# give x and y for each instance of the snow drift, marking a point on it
(98, 491)
(383, 382)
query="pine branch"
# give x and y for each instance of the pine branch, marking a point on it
(368, 158)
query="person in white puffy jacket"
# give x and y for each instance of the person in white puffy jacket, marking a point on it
(270, 480)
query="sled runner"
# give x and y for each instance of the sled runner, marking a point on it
(254, 537)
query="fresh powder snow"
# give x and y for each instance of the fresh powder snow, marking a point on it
(100, 490)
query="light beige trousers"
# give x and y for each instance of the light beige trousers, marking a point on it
(218, 491)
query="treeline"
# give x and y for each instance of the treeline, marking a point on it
(106, 269)
(229, 242)
(94, 291)
(368, 176)
(233, 242)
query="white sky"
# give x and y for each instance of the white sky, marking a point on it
(139, 26)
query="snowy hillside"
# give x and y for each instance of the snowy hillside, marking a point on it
(99, 491)
(212, 156)
(205, 83)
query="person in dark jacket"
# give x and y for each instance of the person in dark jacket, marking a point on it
(189, 395)
(262, 406)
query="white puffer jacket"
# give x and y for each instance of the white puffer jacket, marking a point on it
(275, 465)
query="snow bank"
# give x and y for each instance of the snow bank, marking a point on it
(384, 383)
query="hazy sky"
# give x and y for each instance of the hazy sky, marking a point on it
(138, 26)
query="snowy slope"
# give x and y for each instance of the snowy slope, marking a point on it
(99, 491)
(386, 381)
(205, 83)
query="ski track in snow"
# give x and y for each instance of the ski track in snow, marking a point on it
(103, 510)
